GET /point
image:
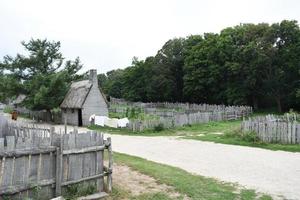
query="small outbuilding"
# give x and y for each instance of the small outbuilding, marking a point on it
(84, 99)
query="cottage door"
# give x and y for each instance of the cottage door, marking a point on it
(79, 117)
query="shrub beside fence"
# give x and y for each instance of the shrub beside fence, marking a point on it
(42, 166)
(274, 129)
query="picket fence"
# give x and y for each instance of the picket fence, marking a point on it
(184, 119)
(22, 129)
(41, 166)
(274, 129)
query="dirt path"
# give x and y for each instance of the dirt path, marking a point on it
(137, 183)
(274, 172)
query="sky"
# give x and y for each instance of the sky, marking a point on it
(107, 34)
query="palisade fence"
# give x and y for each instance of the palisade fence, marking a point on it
(41, 115)
(178, 114)
(185, 119)
(151, 108)
(37, 165)
(274, 129)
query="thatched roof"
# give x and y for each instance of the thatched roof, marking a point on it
(77, 94)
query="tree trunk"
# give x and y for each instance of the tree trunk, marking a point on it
(278, 102)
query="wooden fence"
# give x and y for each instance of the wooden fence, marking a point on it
(171, 109)
(41, 115)
(184, 119)
(21, 129)
(274, 129)
(42, 167)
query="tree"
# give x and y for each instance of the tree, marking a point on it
(170, 60)
(42, 75)
(203, 70)
(134, 81)
(114, 85)
(253, 64)
(283, 75)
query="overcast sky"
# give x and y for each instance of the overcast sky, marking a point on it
(107, 34)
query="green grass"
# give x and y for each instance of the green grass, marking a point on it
(137, 116)
(180, 131)
(8, 109)
(194, 186)
(124, 131)
(233, 136)
(72, 192)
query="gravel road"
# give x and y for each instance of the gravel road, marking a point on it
(273, 172)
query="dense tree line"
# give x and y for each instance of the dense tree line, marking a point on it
(43, 75)
(253, 64)
(249, 64)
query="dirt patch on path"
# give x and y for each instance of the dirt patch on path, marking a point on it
(137, 183)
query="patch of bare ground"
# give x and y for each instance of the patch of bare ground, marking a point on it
(138, 184)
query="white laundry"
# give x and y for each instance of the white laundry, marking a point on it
(92, 117)
(111, 122)
(123, 122)
(100, 120)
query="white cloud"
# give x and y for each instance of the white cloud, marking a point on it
(107, 34)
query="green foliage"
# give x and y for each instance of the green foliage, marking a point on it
(127, 112)
(159, 127)
(43, 76)
(250, 137)
(7, 109)
(74, 191)
(56, 110)
(253, 64)
(112, 83)
(131, 113)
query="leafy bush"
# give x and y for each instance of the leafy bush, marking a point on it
(7, 109)
(159, 127)
(127, 112)
(56, 110)
(78, 190)
(250, 137)
(132, 113)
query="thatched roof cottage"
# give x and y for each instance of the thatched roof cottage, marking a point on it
(82, 100)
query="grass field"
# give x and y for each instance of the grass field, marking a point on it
(188, 185)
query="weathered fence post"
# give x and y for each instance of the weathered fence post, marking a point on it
(59, 167)
(65, 125)
(110, 165)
